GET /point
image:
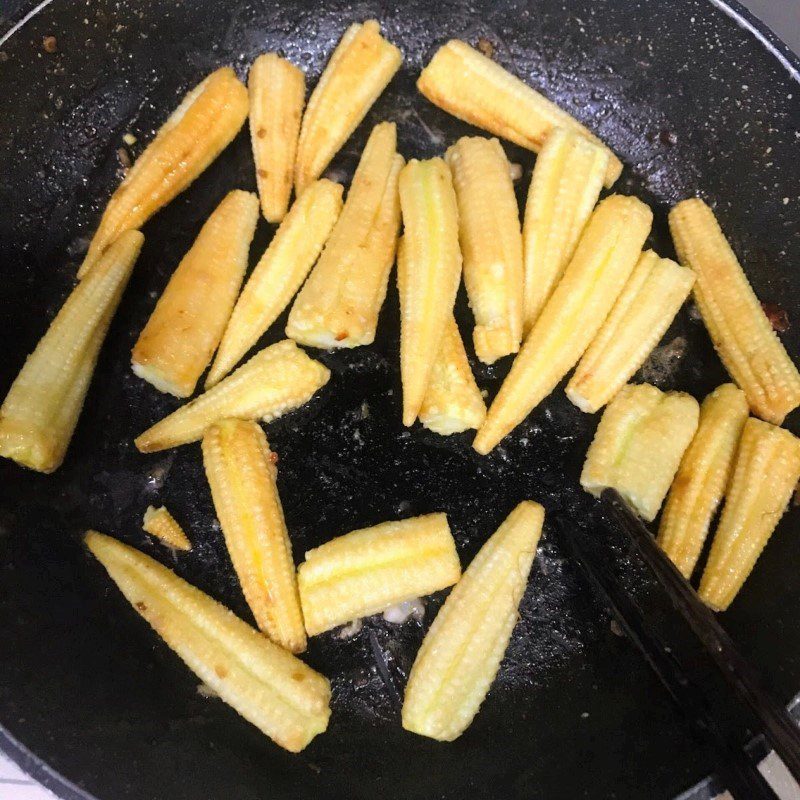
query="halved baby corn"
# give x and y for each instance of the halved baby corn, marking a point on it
(41, 409)
(277, 92)
(242, 475)
(703, 475)
(186, 326)
(566, 183)
(472, 87)
(491, 244)
(160, 523)
(199, 129)
(279, 273)
(368, 570)
(639, 444)
(340, 302)
(275, 691)
(764, 477)
(649, 302)
(604, 259)
(361, 66)
(429, 275)
(462, 651)
(743, 336)
(276, 380)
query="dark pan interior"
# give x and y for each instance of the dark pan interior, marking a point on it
(691, 101)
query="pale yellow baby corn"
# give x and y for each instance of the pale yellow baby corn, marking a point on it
(491, 244)
(278, 379)
(242, 475)
(361, 66)
(160, 523)
(368, 570)
(41, 409)
(743, 336)
(702, 478)
(462, 651)
(764, 477)
(604, 259)
(649, 302)
(472, 87)
(199, 129)
(275, 691)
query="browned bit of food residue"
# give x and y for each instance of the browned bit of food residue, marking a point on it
(124, 158)
(273, 457)
(50, 44)
(486, 47)
(140, 606)
(777, 316)
(221, 670)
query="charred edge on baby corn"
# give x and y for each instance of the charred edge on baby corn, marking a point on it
(160, 523)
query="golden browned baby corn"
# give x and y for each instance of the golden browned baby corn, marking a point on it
(160, 523)
(703, 475)
(368, 570)
(491, 244)
(199, 129)
(462, 651)
(277, 91)
(279, 273)
(739, 328)
(606, 255)
(639, 444)
(566, 183)
(764, 477)
(359, 70)
(276, 380)
(429, 275)
(649, 302)
(41, 409)
(275, 691)
(472, 87)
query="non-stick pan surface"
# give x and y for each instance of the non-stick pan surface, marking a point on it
(693, 102)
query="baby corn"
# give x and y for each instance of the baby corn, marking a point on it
(472, 87)
(703, 475)
(275, 691)
(340, 302)
(185, 328)
(639, 444)
(242, 474)
(368, 570)
(279, 273)
(491, 244)
(604, 259)
(277, 91)
(197, 131)
(566, 183)
(428, 274)
(160, 523)
(649, 302)
(739, 328)
(359, 70)
(41, 409)
(278, 379)
(462, 651)
(764, 477)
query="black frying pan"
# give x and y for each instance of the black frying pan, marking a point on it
(695, 97)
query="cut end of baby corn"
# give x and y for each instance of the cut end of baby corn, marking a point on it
(272, 689)
(277, 92)
(765, 475)
(604, 260)
(241, 472)
(276, 380)
(639, 444)
(366, 571)
(639, 319)
(279, 273)
(472, 87)
(491, 244)
(743, 336)
(462, 651)
(41, 409)
(199, 129)
(704, 473)
(187, 324)
(359, 70)
(160, 523)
